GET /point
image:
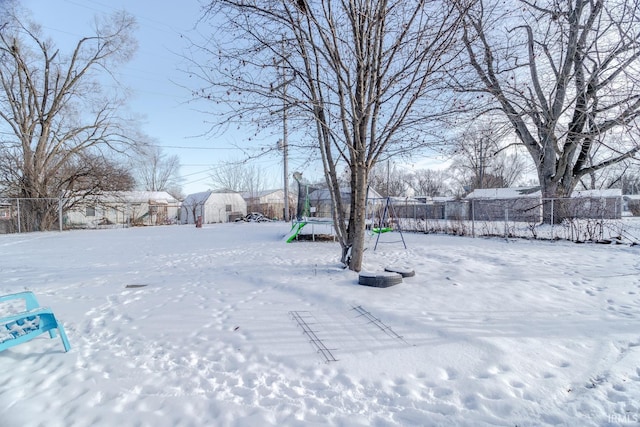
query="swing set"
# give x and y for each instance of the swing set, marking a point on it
(385, 224)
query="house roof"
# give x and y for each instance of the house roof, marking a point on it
(136, 197)
(435, 199)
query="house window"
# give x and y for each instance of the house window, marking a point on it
(91, 211)
(228, 208)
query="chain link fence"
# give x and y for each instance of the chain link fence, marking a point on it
(574, 219)
(27, 215)
(51, 214)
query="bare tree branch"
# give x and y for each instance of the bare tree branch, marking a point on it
(365, 82)
(577, 94)
(56, 109)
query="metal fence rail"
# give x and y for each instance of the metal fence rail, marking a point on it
(575, 219)
(20, 215)
(30, 214)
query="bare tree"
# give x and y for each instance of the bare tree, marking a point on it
(358, 77)
(482, 159)
(565, 75)
(90, 174)
(232, 175)
(55, 108)
(156, 171)
(255, 180)
(629, 181)
(430, 183)
(389, 180)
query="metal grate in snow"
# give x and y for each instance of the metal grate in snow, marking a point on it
(377, 322)
(301, 318)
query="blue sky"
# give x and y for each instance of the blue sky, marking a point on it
(153, 76)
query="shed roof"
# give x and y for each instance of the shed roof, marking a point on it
(202, 197)
(505, 193)
(533, 192)
(606, 193)
(196, 198)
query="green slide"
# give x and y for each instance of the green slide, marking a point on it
(295, 229)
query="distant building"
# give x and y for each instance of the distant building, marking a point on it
(598, 204)
(512, 204)
(213, 207)
(7, 213)
(631, 205)
(443, 207)
(320, 202)
(269, 203)
(526, 204)
(123, 208)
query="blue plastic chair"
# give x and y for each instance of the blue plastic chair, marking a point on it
(23, 326)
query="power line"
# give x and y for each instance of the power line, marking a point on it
(181, 147)
(107, 6)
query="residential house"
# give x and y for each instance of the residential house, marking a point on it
(125, 208)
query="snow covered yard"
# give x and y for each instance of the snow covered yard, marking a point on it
(179, 326)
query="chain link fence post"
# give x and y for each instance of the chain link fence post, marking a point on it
(60, 214)
(473, 219)
(553, 221)
(18, 209)
(506, 222)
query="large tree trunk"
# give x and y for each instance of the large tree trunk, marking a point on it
(357, 225)
(548, 189)
(554, 194)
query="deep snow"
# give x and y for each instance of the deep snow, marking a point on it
(488, 332)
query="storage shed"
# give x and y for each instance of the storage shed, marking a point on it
(213, 207)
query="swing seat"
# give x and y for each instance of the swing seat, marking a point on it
(24, 326)
(381, 230)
